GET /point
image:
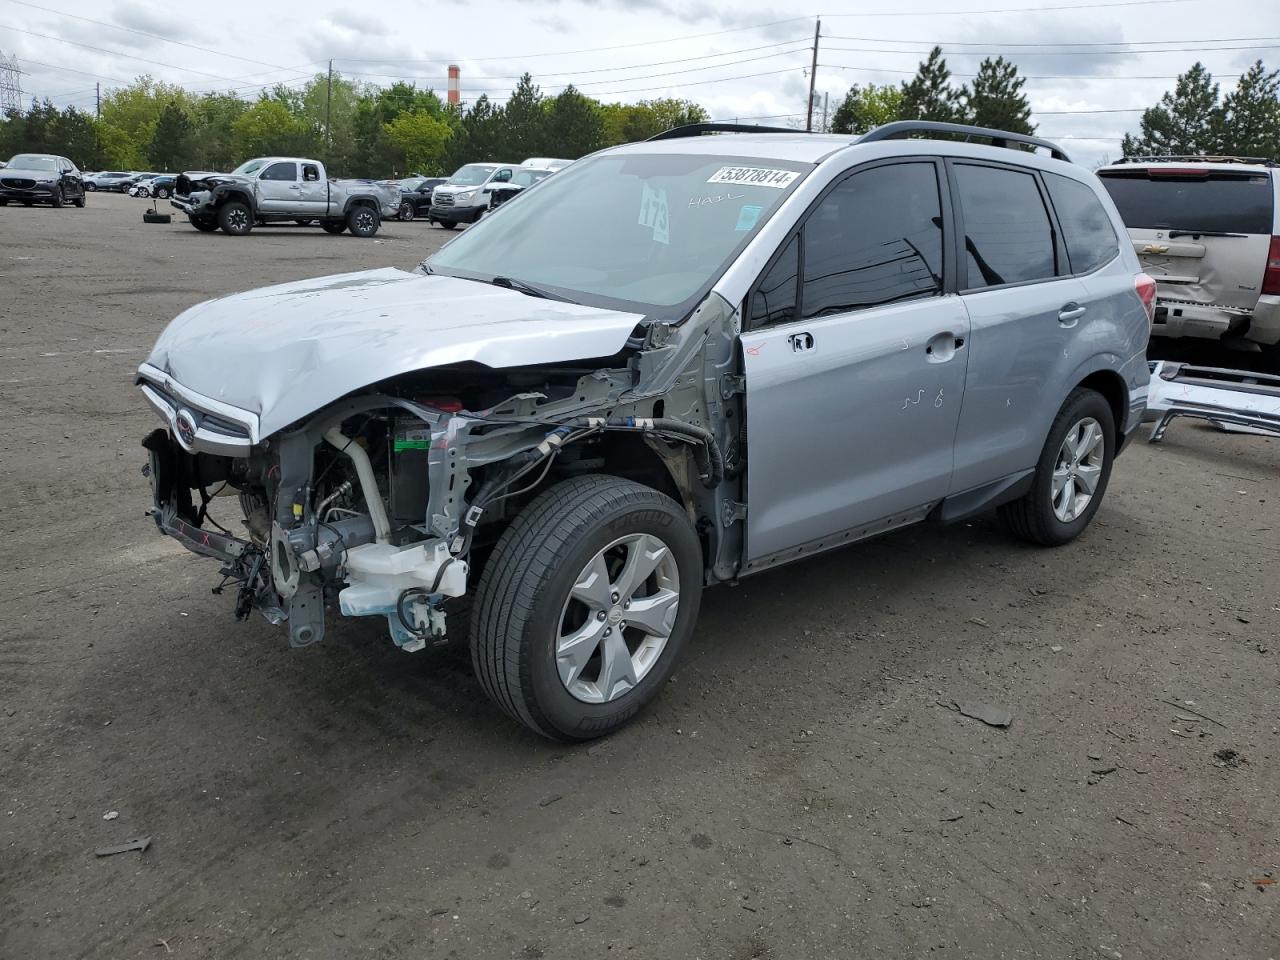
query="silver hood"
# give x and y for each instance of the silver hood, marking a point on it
(283, 352)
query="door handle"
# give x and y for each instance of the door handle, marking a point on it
(800, 342)
(1070, 313)
(943, 347)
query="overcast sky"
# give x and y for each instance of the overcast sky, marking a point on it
(738, 60)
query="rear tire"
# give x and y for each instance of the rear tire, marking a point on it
(548, 640)
(363, 221)
(163, 193)
(1054, 512)
(405, 213)
(91, 187)
(235, 219)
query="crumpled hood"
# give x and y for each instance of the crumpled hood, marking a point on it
(283, 352)
(204, 179)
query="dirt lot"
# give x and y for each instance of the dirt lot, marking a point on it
(799, 791)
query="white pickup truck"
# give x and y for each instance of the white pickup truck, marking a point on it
(277, 189)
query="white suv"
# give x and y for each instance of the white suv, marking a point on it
(1208, 230)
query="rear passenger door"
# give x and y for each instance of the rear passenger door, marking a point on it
(854, 354)
(1025, 310)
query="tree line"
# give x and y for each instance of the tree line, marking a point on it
(1191, 119)
(359, 130)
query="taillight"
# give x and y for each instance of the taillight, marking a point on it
(1146, 288)
(1271, 277)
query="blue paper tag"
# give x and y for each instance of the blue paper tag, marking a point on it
(748, 214)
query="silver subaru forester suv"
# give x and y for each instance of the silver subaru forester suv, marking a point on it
(671, 365)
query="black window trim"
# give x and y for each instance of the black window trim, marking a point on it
(949, 227)
(1053, 212)
(962, 263)
(262, 175)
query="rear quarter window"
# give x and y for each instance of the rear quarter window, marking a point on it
(1086, 228)
(1223, 202)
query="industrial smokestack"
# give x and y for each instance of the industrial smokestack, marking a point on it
(454, 74)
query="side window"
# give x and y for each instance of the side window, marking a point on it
(1008, 235)
(280, 171)
(1086, 228)
(310, 172)
(874, 239)
(775, 298)
(502, 176)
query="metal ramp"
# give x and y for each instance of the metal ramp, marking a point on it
(1235, 398)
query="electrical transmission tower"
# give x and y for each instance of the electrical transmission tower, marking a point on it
(10, 84)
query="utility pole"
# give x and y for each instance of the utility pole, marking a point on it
(328, 115)
(97, 100)
(813, 75)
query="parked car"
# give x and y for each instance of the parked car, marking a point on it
(276, 189)
(500, 193)
(132, 180)
(674, 363)
(1208, 230)
(161, 187)
(461, 198)
(546, 163)
(415, 196)
(41, 178)
(106, 180)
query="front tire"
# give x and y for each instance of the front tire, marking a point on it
(1071, 476)
(58, 199)
(234, 218)
(79, 201)
(163, 193)
(204, 224)
(333, 226)
(585, 605)
(405, 212)
(448, 224)
(363, 221)
(91, 187)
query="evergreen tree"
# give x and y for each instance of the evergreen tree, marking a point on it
(574, 126)
(996, 99)
(524, 132)
(170, 146)
(1186, 121)
(864, 108)
(1249, 121)
(929, 94)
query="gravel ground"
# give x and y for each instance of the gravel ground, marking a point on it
(802, 789)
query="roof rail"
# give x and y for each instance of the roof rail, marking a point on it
(698, 129)
(1199, 158)
(998, 138)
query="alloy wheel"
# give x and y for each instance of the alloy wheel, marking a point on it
(1077, 469)
(618, 618)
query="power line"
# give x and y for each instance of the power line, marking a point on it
(1056, 53)
(114, 53)
(666, 86)
(1023, 76)
(953, 13)
(1010, 43)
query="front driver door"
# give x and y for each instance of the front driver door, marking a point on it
(854, 356)
(279, 190)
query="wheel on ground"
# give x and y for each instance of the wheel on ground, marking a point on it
(234, 218)
(79, 201)
(585, 605)
(163, 193)
(4, 203)
(332, 226)
(58, 198)
(448, 224)
(1071, 475)
(363, 221)
(144, 192)
(91, 187)
(204, 224)
(405, 212)
(303, 222)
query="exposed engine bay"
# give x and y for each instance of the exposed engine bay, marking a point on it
(387, 501)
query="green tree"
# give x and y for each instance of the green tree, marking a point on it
(1248, 124)
(170, 146)
(421, 140)
(212, 117)
(524, 129)
(866, 107)
(76, 138)
(995, 98)
(929, 94)
(479, 135)
(267, 128)
(135, 109)
(574, 125)
(1186, 121)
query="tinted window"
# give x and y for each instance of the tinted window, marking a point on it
(1008, 237)
(1196, 200)
(1086, 228)
(875, 238)
(281, 171)
(310, 172)
(775, 296)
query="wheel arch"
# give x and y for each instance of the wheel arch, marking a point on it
(227, 196)
(1114, 390)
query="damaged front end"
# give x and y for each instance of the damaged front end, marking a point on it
(386, 502)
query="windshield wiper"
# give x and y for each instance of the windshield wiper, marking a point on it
(1203, 233)
(527, 289)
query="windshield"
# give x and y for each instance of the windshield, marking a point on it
(411, 183)
(1196, 200)
(33, 161)
(650, 230)
(472, 175)
(251, 166)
